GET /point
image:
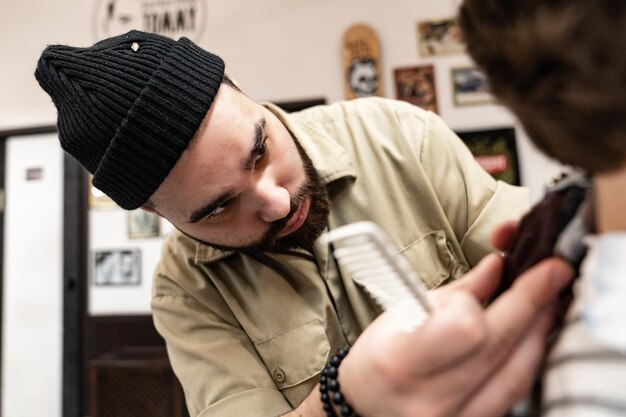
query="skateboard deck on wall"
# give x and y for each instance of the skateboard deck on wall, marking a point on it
(361, 62)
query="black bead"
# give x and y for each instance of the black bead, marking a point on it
(346, 411)
(333, 385)
(329, 387)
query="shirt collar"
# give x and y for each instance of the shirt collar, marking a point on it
(330, 160)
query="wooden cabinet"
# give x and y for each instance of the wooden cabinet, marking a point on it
(134, 382)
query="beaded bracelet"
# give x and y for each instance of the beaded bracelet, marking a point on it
(329, 387)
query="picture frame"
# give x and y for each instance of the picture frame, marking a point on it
(439, 37)
(416, 85)
(496, 151)
(116, 267)
(97, 199)
(142, 224)
(470, 87)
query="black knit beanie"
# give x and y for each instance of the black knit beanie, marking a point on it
(128, 106)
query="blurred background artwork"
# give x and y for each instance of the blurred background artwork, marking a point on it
(417, 86)
(117, 267)
(439, 37)
(470, 87)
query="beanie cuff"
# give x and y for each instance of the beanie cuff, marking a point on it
(160, 124)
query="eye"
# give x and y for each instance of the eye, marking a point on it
(262, 151)
(220, 210)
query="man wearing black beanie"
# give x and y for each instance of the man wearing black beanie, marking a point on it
(250, 302)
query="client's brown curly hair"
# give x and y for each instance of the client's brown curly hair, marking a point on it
(560, 66)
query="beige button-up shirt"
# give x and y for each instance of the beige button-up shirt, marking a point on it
(249, 335)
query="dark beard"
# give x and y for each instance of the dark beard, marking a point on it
(309, 231)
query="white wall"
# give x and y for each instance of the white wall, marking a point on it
(108, 229)
(33, 285)
(277, 49)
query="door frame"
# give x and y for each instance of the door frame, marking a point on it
(74, 271)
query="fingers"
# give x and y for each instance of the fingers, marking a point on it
(403, 366)
(511, 315)
(533, 290)
(481, 281)
(456, 329)
(513, 380)
(479, 360)
(503, 233)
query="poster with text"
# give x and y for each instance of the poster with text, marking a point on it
(495, 150)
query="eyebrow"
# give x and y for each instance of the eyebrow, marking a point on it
(247, 164)
(259, 127)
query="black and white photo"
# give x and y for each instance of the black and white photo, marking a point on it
(117, 267)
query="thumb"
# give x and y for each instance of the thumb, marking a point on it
(481, 281)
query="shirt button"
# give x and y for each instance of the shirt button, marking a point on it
(279, 375)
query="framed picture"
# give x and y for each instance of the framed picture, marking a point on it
(495, 150)
(439, 37)
(417, 86)
(469, 87)
(142, 224)
(117, 267)
(97, 199)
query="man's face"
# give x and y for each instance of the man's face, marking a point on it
(243, 183)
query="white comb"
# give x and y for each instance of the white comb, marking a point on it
(364, 250)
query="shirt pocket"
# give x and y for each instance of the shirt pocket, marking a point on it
(295, 355)
(432, 257)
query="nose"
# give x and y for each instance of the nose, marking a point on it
(273, 201)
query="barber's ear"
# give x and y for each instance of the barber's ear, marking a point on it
(151, 210)
(236, 83)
